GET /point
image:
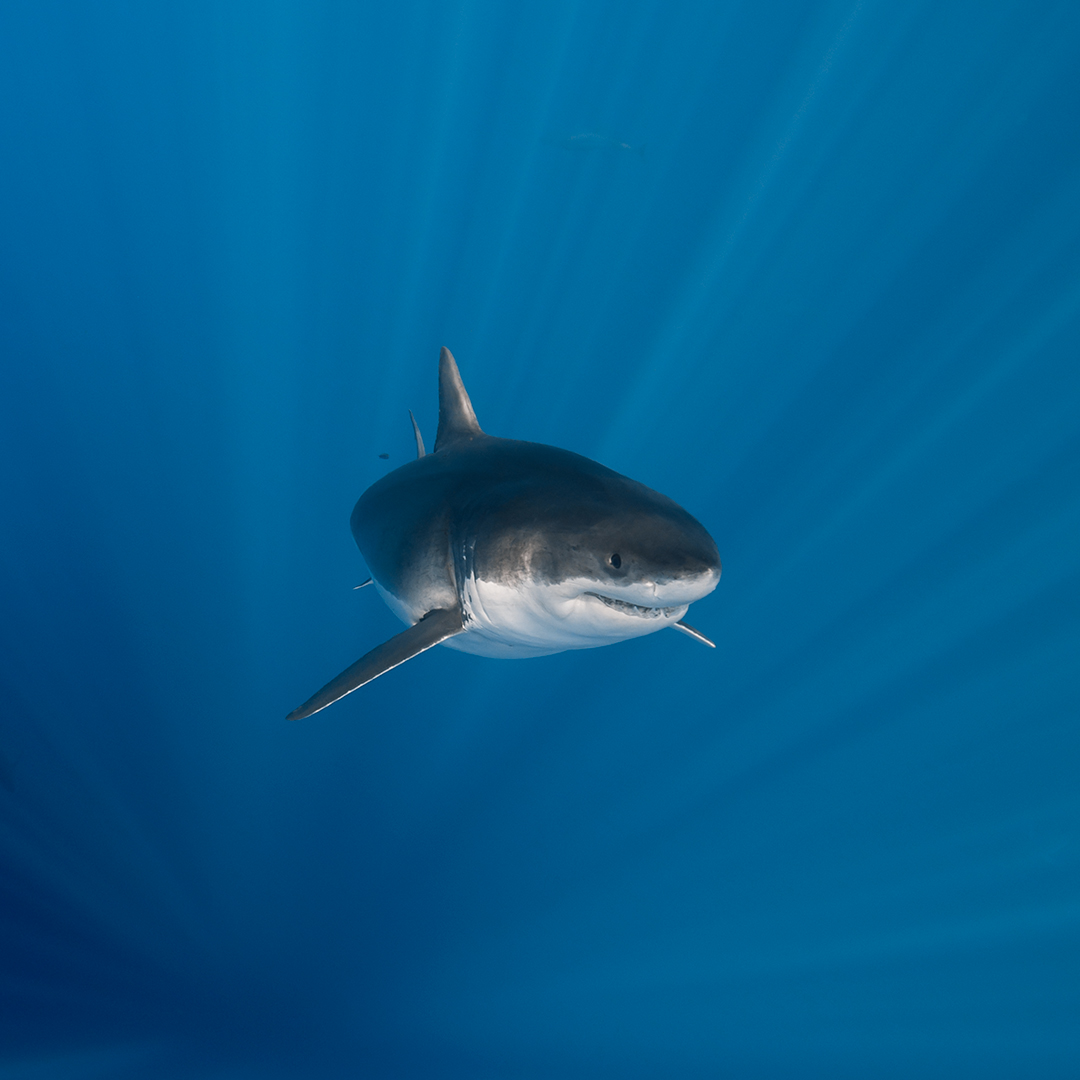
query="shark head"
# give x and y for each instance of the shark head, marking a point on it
(578, 556)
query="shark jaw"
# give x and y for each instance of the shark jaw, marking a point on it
(639, 611)
(527, 618)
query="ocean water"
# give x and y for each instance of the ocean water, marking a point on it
(811, 269)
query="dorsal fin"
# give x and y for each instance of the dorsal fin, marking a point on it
(457, 421)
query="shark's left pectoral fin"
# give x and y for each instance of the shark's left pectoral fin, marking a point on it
(691, 631)
(435, 626)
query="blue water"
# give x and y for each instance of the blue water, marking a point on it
(827, 298)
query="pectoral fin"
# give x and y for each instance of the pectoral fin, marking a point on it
(697, 635)
(435, 626)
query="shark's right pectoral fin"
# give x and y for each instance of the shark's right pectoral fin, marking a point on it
(435, 626)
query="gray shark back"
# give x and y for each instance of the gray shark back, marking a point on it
(503, 510)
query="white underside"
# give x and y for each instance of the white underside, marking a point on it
(526, 619)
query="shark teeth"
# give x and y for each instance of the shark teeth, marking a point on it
(637, 609)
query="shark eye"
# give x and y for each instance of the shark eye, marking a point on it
(615, 561)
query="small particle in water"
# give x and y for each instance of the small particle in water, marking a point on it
(384, 456)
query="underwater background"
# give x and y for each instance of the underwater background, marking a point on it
(809, 268)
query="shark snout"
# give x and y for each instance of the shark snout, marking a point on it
(687, 588)
(666, 591)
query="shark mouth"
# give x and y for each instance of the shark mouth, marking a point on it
(637, 609)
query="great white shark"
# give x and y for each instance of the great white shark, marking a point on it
(515, 549)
